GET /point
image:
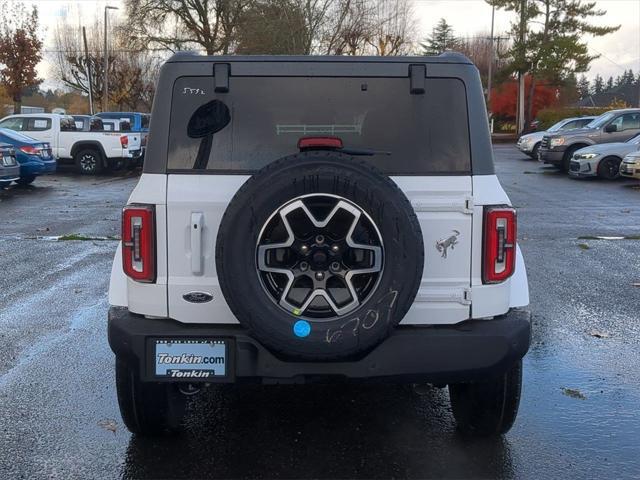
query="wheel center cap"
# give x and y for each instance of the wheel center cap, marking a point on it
(319, 259)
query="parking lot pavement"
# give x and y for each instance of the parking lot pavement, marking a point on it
(579, 417)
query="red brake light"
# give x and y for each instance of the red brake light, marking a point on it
(30, 150)
(138, 242)
(306, 143)
(124, 141)
(499, 255)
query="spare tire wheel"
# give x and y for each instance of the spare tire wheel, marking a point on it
(319, 256)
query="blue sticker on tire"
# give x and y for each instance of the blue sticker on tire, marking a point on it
(302, 328)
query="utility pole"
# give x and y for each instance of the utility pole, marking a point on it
(88, 61)
(490, 79)
(523, 25)
(105, 94)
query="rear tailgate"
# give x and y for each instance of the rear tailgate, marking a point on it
(429, 160)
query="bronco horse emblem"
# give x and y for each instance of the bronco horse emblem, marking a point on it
(443, 244)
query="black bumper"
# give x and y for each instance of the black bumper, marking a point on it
(555, 156)
(467, 351)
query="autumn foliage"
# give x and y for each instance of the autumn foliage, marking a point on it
(20, 50)
(504, 98)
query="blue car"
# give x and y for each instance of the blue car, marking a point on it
(33, 156)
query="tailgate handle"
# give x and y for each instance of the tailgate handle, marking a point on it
(417, 74)
(221, 80)
(197, 221)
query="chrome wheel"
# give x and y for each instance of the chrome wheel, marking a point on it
(88, 162)
(319, 256)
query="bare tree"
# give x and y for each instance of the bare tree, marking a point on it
(209, 25)
(368, 27)
(393, 29)
(132, 70)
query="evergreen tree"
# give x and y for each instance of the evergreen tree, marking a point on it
(583, 87)
(609, 84)
(598, 85)
(549, 38)
(441, 39)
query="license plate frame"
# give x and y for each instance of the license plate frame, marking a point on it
(8, 161)
(163, 354)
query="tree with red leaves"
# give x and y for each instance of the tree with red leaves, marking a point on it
(20, 50)
(504, 98)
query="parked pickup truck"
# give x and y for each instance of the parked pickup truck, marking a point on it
(90, 151)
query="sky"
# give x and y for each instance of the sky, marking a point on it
(618, 51)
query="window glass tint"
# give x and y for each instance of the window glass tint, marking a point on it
(37, 124)
(570, 125)
(411, 134)
(14, 123)
(95, 124)
(628, 121)
(145, 121)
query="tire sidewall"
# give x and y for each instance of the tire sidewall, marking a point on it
(329, 173)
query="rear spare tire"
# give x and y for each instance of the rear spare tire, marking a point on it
(319, 256)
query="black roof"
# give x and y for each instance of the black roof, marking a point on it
(447, 57)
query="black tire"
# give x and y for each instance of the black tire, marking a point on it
(319, 172)
(148, 408)
(609, 168)
(88, 161)
(26, 180)
(489, 407)
(568, 155)
(534, 152)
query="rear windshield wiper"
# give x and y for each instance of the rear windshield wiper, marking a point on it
(361, 152)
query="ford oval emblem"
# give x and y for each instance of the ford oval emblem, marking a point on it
(198, 297)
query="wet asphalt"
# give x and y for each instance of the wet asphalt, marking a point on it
(580, 410)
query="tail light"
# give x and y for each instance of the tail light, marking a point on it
(124, 141)
(143, 141)
(499, 255)
(30, 150)
(138, 242)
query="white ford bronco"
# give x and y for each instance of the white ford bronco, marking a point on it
(304, 219)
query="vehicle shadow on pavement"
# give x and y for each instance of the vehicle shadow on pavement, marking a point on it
(319, 431)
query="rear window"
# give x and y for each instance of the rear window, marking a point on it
(411, 134)
(144, 121)
(37, 124)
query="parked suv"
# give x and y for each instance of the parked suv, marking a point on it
(303, 219)
(612, 126)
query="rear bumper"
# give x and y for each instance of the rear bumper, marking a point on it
(38, 167)
(9, 174)
(468, 351)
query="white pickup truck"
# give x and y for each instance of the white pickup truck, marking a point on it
(90, 151)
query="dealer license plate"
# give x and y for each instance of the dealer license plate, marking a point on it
(190, 358)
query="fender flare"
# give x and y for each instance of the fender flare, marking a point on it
(518, 285)
(118, 281)
(89, 144)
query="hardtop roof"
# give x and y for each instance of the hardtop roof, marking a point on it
(447, 57)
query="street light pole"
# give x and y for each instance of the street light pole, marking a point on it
(105, 94)
(490, 79)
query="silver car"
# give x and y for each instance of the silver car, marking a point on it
(602, 160)
(530, 143)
